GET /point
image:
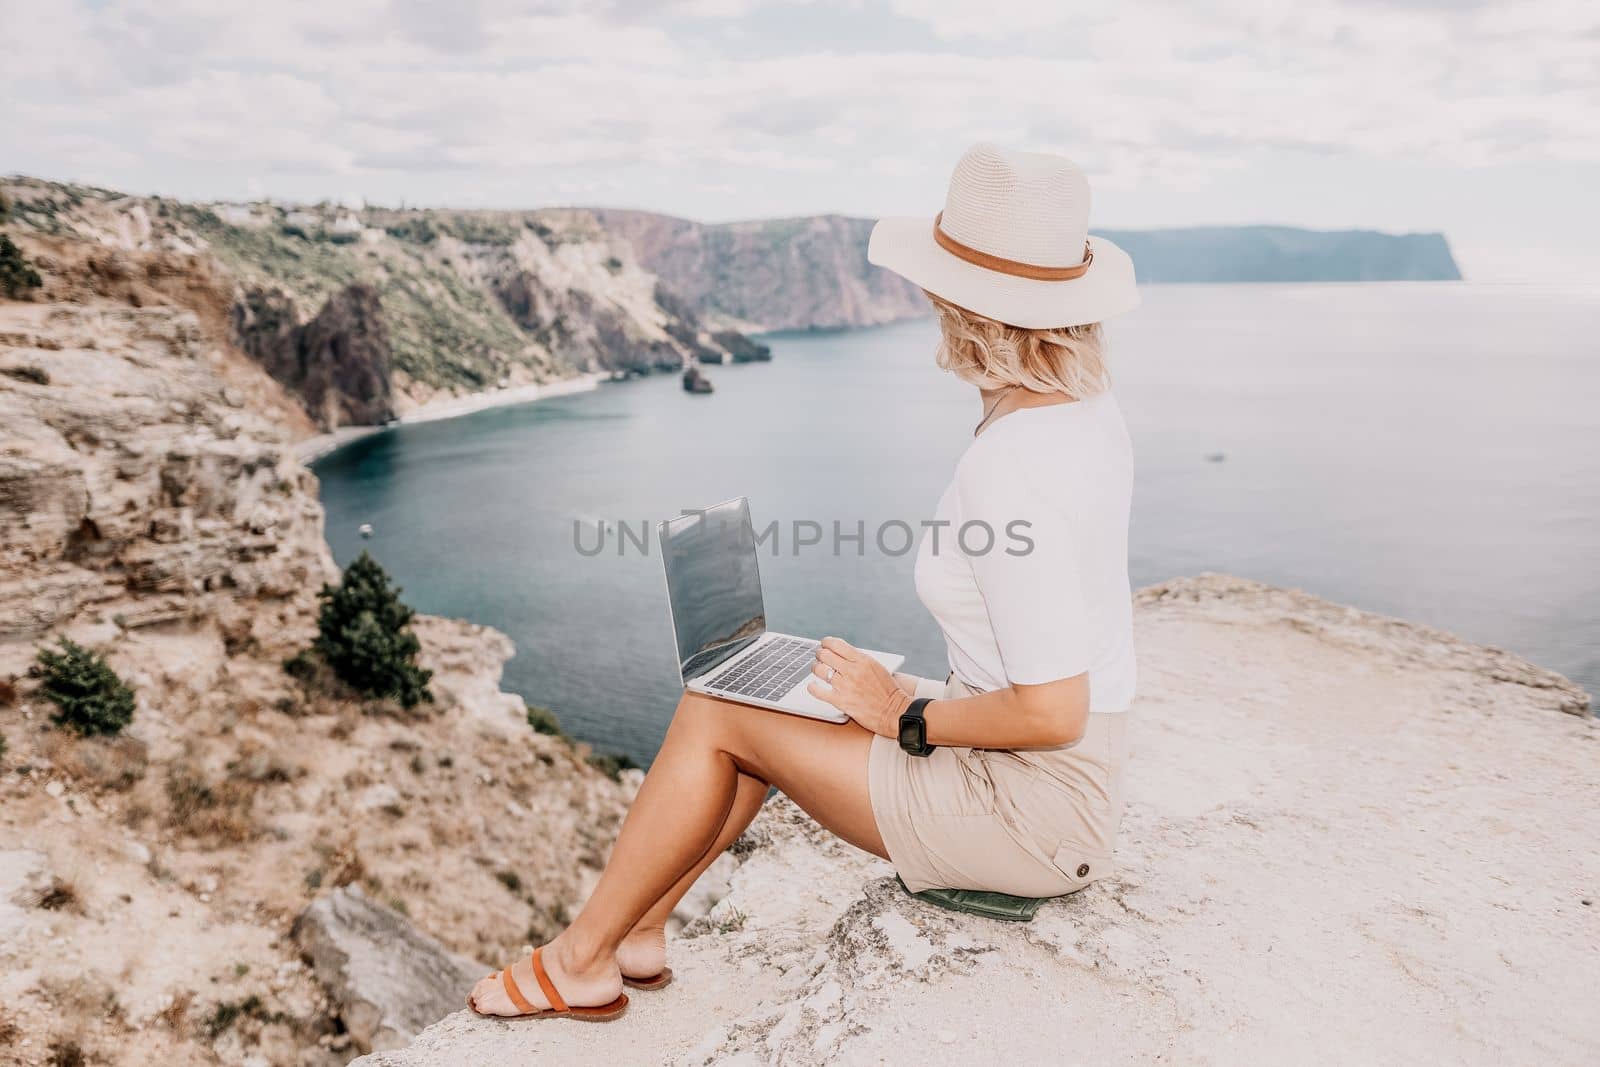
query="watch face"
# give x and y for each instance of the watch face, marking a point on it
(911, 733)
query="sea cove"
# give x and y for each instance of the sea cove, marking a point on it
(1430, 451)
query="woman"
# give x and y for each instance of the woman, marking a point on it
(1007, 777)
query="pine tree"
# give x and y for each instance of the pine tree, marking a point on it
(88, 695)
(15, 273)
(364, 634)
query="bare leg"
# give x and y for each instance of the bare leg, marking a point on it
(643, 952)
(685, 804)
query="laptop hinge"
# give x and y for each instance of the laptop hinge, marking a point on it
(712, 658)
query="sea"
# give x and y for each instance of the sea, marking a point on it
(1425, 450)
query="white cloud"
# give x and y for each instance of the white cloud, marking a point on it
(653, 105)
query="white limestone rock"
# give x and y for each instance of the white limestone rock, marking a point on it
(1349, 840)
(387, 979)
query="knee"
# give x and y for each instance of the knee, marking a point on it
(697, 712)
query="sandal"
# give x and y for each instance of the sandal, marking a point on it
(601, 1013)
(658, 981)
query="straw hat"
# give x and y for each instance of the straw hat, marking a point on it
(1012, 244)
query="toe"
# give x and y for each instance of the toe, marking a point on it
(487, 998)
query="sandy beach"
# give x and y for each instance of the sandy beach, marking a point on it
(314, 448)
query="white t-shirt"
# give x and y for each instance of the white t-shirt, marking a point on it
(1047, 595)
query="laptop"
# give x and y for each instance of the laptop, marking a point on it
(719, 620)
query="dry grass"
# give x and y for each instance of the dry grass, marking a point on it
(358, 779)
(218, 812)
(341, 866)
(259, 764)
(175, 1016)
(61, 896)
(80, 996)
(103, 763)
(66, 1053)
(136, 814)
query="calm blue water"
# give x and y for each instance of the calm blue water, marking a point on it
(1429, 451)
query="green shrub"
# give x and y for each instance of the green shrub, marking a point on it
(611, 764)
(481, 231)
(88, 695)
(364, 634)
(416, 230)
(228, 1013)
(544, 721)
(302, 666)
(16, 274)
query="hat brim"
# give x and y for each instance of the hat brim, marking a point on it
(906, 246)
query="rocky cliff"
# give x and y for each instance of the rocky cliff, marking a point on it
(339, 364)
(1349, 839)
(366, 314)
(809, 273)
(151, 508)
(773, 274)
(141, 476)
(1286, 254)
(363, 315)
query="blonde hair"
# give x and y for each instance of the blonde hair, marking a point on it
(992, 355)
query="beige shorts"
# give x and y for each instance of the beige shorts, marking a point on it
(1033, 823)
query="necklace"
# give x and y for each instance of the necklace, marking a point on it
(989, 414)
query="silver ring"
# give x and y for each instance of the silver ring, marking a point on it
(832, 673)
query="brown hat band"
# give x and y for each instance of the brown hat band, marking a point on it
(1010, 266)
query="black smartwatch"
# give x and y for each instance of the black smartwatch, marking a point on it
(914, 728)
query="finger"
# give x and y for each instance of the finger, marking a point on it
(840, 646)
(823, 671)
(823, 693)
(831, 659)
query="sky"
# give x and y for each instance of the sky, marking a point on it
(1478, 119)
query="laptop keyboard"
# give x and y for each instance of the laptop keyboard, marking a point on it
(770, 672)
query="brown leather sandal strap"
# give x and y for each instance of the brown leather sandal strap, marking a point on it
(545, 984)
(523, 1004)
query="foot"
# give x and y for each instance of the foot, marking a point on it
(643, 953)
(581, 983)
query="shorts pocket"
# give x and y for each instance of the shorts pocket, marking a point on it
(1080, 865)
(950, 781)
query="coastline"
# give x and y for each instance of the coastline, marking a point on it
(311, 449)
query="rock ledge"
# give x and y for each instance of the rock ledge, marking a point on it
(1349, 839)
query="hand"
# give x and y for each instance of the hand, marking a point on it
(859, 686)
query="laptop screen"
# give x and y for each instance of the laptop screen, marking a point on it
(713, 584)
